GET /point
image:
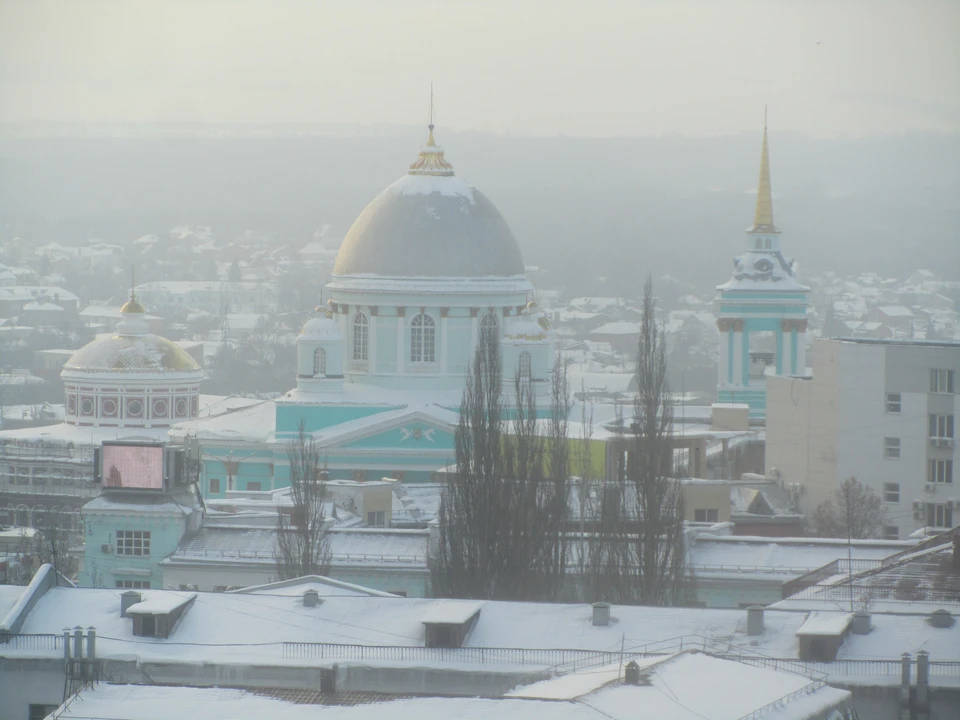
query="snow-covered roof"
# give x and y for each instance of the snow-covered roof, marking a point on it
(825, 623)
(133, 354)
(213, 619)
(452, 612)
(687, 686)
(617, 328)
(157, 602)
(895, 311)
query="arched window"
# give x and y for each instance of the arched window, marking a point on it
(423, 339)
(489, 324)
(525, 368)
(319, 362)
(361, 334)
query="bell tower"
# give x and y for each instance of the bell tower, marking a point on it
(762, 315)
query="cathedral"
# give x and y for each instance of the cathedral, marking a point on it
(428, 266)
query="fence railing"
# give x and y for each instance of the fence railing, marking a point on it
(30, 642)
(549, 657)
(269, 556)
(837, 567)
(877, 593)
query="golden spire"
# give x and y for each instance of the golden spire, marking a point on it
(132, 306)
(763, 218)
(431, 160)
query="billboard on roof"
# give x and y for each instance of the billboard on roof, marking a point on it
(130, 466)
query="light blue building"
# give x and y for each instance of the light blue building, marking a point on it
(427, 266)
(762, 314)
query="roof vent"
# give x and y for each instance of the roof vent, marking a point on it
(755, 620)
(601, 614)
(941, 619)
(127, 599)
(631, 674)
(311, 598)
(861, 623)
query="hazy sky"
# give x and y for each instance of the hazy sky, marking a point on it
(541, 67)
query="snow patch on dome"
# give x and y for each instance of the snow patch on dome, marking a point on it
(449, 186)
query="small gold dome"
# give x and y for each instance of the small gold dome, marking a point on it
(132, 306)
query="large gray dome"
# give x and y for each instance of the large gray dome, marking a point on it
(430, 224)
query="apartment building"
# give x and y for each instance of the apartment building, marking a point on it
(880, 410)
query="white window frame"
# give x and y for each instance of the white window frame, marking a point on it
(891, 492)
(706, 513)
(423, 339)
(361, 336)
(940, 426)
(376, 518)
(893, 403)
(891, 448)
(940, 471)
(941, 381)
(939, 515)
(133, 542)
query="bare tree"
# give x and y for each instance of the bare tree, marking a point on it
(468, 558)
(50, 545)
(303, 542)
(855, 511)
(658, 549)
(501, 519)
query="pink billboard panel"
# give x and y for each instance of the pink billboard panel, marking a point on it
(137, 467)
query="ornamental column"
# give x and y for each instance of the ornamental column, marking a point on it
(372, 342)
(443, 339)
(401, 313)
(725, 367)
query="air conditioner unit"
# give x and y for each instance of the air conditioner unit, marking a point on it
(929, 487)
(106, 548)
(918, 504)
(918, 515)
(953, 504)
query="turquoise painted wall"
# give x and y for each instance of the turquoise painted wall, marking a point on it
(102, 569)
(317, 417)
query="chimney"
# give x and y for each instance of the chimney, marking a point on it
(905, 663)
(861, 623)
(126, 600)
(601, 614)
(755, 620)
(311, 598)
(923, 679)
(631, 674)
(78, 643)
(91, 643)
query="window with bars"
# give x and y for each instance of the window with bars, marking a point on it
(891, 447)
(361, 336)
(940, 471)
(423, 338)
(940, 426)
(319, 362)
(526, 366)
(941, 381)
(133, 542)
(893, 402)
(891, 492)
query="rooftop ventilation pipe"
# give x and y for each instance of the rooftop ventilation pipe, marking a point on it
(128, 599)
(601, 614)
(755, 620)
(631, 674)
(311, 598)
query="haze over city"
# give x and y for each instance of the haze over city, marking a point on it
(563, 360)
